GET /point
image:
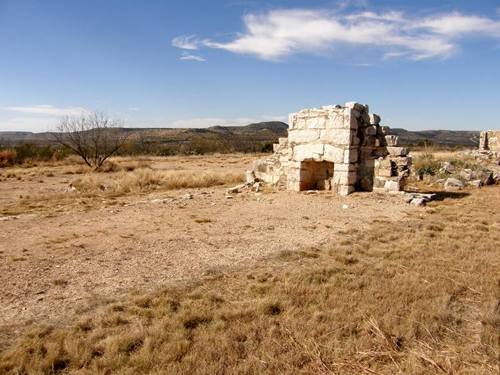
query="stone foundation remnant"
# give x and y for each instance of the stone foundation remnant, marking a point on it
(339, 148)
(489, 140)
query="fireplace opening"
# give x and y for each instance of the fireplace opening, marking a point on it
(316, 175)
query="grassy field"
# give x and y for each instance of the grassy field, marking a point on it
(417, 296)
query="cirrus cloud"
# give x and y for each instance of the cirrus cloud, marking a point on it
(192, 57)
(48, 110)
(189, 42)
(277, 34)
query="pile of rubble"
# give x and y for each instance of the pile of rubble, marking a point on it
(392, 170)
(419, 199)
(460, 178)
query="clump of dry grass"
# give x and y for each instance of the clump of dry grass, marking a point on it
(145, 180)
(425, 302)
(426, 164)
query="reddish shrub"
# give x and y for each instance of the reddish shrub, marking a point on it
(7, 158)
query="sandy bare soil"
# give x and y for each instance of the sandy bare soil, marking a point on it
(58, 261)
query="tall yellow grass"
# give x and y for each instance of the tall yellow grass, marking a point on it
(145, 180)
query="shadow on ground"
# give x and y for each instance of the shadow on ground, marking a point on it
(442, 195)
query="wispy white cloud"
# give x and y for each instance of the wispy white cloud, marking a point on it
(48, 110)
(133, 109)
(457, 24)
(394, 55)
(276, 34)
(192, 57)
(189, 42)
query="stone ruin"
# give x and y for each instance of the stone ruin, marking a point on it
(489, 140)
(338, 148)
(489, 148)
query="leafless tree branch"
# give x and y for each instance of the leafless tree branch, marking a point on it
(94, 137)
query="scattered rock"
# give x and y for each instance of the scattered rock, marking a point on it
(250, 177)
(418, 202)
(237, 189)
(187, 196)
(8, 218)
(257, 186)
(485, 176)
(453, 184)
(466, 174)
(475, 183)
(447, 167)
(419, 199)
(71, 188)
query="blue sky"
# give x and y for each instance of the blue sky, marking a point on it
(419, 64)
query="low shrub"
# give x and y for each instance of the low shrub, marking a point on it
(7, 158)
(28, 153)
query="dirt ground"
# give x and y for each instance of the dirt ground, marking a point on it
(59, 260)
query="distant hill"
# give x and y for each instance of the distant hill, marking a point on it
(450, 138)
(256, 137)
(253, 137)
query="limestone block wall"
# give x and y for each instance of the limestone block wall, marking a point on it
(489, 140)
(392, 170)
(325, 134)
(340, 148)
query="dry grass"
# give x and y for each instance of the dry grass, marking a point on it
(121, 177)
(413, 297)
(146, 180)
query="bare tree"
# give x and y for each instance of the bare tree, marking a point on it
(94, 137)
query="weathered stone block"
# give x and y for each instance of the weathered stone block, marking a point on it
(249, 177)
(374, 119)
(345, 168)
(391, 185)
(350, 155)
(391, 140)
(453, 184)
(308, 152)
(334, 154)
(303, 135)
(351, 120)
(371, 131)
(397, 151)
(336, 136)
(344, 178)
(316, 123)
(336, 121)
(345, 189)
